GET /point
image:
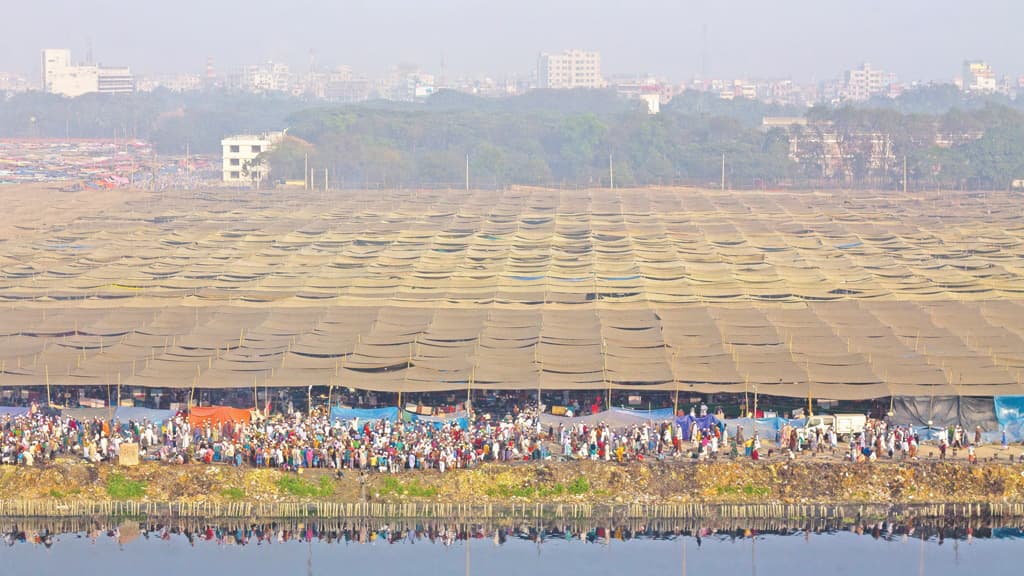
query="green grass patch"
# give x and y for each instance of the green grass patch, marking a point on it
(233, 493)
(299, 487)
(121, 488)
(394, 486)
(577, 487)
(745, 490)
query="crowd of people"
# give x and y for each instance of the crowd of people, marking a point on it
(291, 442)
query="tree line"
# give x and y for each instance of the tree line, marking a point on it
(569, 138)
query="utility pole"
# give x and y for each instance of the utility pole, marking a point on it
(904, 174)
(611, 173)
(326, 180)
(723, 171)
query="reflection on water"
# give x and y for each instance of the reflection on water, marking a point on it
(44, 546)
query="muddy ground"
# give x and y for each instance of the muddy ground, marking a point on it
(661, 482)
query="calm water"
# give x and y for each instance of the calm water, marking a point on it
(417, 549)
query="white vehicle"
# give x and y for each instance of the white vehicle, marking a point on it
(845, 425)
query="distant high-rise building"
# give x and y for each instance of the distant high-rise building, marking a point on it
(62, 77)
(978, 77)
(862, 83)
(570, 69)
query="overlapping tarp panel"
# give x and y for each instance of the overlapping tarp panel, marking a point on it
(508, 350)
(1008, 316)
(698, 355)
(863, 246)
(446, 350)
(330, 337)
(390, 343)
(814, 346)
(942, 348)
(757, 349)
(569, 348)
(890, 356)
(635, 353)
(845, 295)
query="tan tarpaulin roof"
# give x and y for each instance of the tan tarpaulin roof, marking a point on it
(852, 295)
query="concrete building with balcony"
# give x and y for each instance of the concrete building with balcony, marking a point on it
(862, 83)
(570, 69)
(242, 165)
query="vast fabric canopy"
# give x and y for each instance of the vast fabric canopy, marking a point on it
(846, 295)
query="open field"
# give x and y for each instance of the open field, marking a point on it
(845, 295)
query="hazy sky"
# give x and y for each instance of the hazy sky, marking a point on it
(802, 39)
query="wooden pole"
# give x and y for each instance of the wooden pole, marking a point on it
(746, 399)
(48, 401)
(192, 394)
(118, 388)
(469, 390)
(755, 407)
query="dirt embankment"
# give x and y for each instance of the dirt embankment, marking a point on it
(719, 482)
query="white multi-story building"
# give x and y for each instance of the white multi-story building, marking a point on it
(171, 82)
(570, 69)
(266, 77)
(978, 77)
(862, 83)
(60, 76)
(240, 153)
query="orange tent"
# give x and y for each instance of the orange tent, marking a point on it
(215, 414)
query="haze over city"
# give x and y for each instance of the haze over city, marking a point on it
(806, 40)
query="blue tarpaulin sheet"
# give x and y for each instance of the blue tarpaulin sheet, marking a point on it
(124, 414)
(766, 427)
(1010, 415)
(338, 413)
(460, 418)
(703, 423)
(13, 411)
(641, 415)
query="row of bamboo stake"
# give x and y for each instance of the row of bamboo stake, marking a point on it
(188, 509)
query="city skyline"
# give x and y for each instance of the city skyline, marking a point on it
(799, 39)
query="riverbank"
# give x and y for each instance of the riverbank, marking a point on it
(593, 483)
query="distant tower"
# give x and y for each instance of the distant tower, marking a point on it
(210, 74)
(88, 51)
(704, 55)
(442, 79)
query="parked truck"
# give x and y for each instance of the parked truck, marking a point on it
(845, 425)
